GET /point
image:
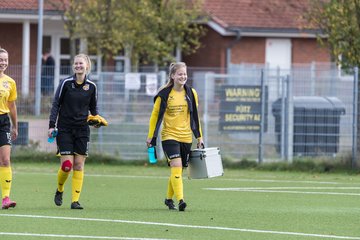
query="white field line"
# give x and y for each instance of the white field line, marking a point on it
(74, 236)
(284, 181)
(218, 178)
(276, 188)
(279, 190)
(185, 226)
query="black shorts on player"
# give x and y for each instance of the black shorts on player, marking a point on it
(5, 135)
(174, 149)
(73, 141)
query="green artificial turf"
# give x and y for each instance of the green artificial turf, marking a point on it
(126, 202)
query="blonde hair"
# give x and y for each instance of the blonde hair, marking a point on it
(87, 60)
(172, 70)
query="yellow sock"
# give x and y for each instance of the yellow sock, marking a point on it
(5, 181)
(170, 190)
(61, 179)
(177, 183)
(77, 182)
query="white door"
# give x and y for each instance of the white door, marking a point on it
(278, 60)
(278, 53)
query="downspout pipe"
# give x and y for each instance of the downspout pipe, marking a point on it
(231, 45)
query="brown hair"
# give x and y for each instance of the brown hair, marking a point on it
(2, 50)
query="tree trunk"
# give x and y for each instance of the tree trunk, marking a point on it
(72, 49)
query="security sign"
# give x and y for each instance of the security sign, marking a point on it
(240, 108)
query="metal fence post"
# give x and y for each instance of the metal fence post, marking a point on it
(289, 120)
(283, 117)
(355, 118)
(160, 152)
(206, 108)
(262, 119)
(312, 79)
(38, 60)
(100, 96)
(278, 80)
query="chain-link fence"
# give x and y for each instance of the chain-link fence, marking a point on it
(249, 111)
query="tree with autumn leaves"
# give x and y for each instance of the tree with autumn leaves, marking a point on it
(145, 31)
(340, 22)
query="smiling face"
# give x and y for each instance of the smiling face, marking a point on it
(180, 76)
(80, 65)
(4, 61)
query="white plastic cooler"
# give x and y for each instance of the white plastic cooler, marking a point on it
(205, 163)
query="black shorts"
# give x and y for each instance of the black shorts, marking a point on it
(5, 134)
(72, 141)
(174, 149)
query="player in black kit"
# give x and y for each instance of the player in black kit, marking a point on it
(74, 98)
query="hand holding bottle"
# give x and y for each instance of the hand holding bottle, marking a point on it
(52, 134)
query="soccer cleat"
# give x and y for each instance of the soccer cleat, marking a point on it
(170, 204)
(7, 203)
(182, 205)
(76, 205)
(58, 198)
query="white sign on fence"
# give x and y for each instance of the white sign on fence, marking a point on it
(132, 81)
(151, 84)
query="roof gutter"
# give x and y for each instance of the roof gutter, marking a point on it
(265, 32)
(231, 45)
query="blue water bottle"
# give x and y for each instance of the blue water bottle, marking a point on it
(152, 154)
(53, 135)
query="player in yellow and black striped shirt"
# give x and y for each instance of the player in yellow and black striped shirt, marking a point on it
(176, 107)
(8, 131)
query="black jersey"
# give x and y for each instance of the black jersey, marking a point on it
(72, 103)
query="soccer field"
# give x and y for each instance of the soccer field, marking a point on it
(126, 202)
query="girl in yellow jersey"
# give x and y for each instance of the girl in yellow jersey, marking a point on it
(176, 105)
(8, 132)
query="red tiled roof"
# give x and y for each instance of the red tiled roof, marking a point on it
(281, 14)
(257, 13)
(25, 5)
